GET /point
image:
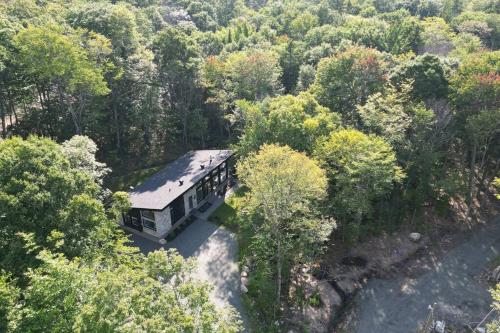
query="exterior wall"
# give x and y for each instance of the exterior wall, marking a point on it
(163, 221)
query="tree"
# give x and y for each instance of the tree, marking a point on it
(41, 194)
(307, 74)
(178, 59)
(347, 79)
(494, 326)
(284, 187)
(295, 121)
(9, 295)
(361, 168)
(436, 37)
(476, 84)
(483, 132)
(252, 75)
(157, 295)
(403, 33)
(429, 76)
(80, 151)
(63, 69)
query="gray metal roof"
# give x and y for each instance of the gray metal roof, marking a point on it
(163, 187)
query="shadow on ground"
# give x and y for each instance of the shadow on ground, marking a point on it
(400, 304)
(215, 249)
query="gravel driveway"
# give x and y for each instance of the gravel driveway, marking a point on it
(399, 304)
(215, 249)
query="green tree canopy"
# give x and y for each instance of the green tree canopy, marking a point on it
(428, 74)
(285, 187)
(157, 295)
(40, 193)
(348, 78)
(361, 168)
(295, 121)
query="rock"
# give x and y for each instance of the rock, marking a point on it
(439, 326)
(162, 241)
(347, 285)
(244, 281)
(244, 289)
(244, 274)
(245, 269)
(415, 237)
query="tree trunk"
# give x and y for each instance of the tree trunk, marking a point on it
(2, 114)
(116, 120)
(471, 178)
(278, 273)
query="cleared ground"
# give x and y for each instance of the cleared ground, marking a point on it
(400, 304)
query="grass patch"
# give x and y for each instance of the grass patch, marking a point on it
(132, 179)
(227, 213)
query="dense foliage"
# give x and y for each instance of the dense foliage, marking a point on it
(394, 104)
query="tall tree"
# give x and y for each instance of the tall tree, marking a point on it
(41, 194)
(347, 79)
(361, 168)
(178, 59)
(64, 74)
(284, 187)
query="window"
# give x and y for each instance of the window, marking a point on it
(199, 193)
(148, 219)
(135, 221)
(149, 224)
(149, 214)
(215, 178)
(223, 172)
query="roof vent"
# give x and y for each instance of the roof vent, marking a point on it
(181, 182)
(210, 160)
(202, 166)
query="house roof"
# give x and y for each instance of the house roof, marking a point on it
(158, 191)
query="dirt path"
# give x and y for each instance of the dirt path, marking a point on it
(400, 304)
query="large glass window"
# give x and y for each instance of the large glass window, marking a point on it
(223, 174)
(199, 193)
(215, 178)
(148, 219)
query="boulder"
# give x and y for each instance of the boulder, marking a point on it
(347, 285)
(244, 274)
(244, 289)
(439, 326)
(415, 237)
(244, 281)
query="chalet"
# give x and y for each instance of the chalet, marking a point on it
(167, 198)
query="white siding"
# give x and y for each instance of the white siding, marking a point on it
(163, 222)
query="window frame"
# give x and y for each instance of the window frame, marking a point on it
(147, 222)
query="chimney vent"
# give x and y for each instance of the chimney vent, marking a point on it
(181, 182)
(202, 167)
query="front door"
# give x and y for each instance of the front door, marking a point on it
(177, 209)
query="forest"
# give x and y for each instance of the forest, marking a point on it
(349, 118)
